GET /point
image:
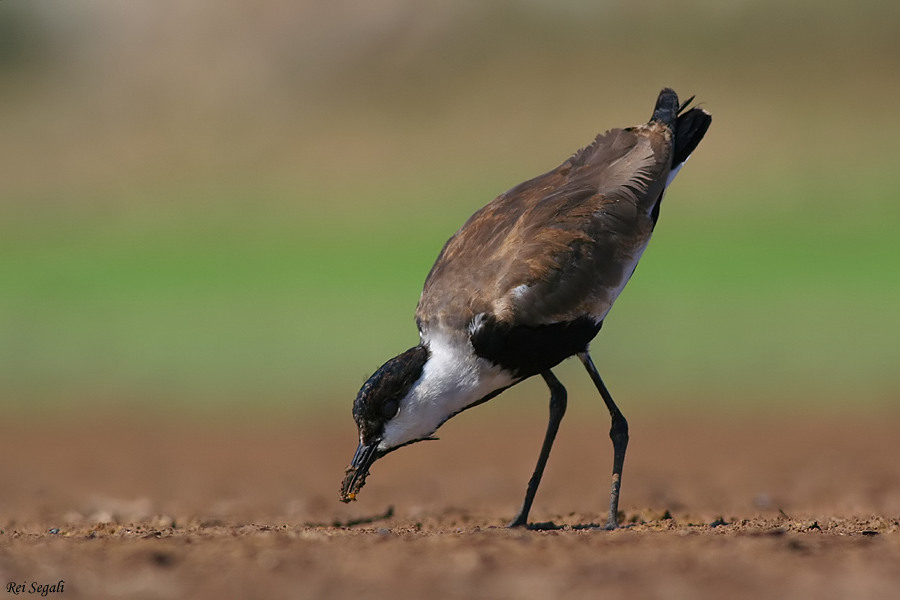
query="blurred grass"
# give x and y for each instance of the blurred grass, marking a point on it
(241, 211)
(731, 301)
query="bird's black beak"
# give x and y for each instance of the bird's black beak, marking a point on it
(358, 470)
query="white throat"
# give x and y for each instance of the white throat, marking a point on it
(452, 379)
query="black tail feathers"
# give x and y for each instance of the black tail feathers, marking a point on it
(689, 127)
(667, 107)
(689, 130)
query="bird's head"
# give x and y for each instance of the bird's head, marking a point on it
(386, 415)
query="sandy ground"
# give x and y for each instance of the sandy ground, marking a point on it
(790, 507)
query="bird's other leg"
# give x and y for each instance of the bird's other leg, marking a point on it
(618, 432)
(557, 410)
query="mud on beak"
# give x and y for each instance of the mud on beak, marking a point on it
(355, 476)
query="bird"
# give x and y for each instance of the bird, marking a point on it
(524, 284)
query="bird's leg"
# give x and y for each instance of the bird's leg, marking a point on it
(557, 410)
(618, 432)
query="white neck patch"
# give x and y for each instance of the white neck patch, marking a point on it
(452, 379)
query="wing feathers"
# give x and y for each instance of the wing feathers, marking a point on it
(557, 247)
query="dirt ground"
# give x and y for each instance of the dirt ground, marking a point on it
(789, 507)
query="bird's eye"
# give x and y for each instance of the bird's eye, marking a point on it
(390, 408)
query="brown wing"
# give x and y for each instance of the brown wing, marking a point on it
(552, 249)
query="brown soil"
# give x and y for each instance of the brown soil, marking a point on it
(724, 508)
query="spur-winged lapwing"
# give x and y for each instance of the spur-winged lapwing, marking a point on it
(525, 283)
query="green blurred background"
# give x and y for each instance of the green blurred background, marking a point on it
(231, 207)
